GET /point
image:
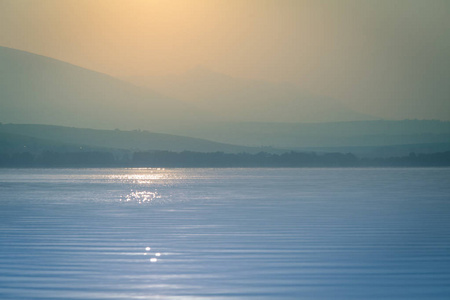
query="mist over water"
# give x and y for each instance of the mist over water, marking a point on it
(224, 234)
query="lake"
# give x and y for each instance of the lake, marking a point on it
(225, 233)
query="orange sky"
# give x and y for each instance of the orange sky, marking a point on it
(365, 53)
(254, 38)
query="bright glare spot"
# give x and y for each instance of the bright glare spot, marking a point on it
(157, 254)
(153, 259)
(147, 248)
(140, 197)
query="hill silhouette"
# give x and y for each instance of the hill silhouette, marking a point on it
(39, 90)
(243, 100)
(330, 134)
(42, 90)
(32, 137)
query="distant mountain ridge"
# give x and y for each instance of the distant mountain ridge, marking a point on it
(332, 134)
(242, 100)
(41, 90)
(32, 137)
(423, 137)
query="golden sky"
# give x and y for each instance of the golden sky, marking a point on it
(362, 52)
(152, 36)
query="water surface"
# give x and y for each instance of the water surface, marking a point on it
(225, 234)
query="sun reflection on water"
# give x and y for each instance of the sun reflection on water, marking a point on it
(148, 177)
(141, 197)
(143, 185)
(153, 259)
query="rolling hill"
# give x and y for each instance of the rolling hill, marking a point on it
(233, 99)
(330, 134)
(35, 138)
(222, 112)
(40, 90)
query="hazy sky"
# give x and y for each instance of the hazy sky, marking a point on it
(380, 56)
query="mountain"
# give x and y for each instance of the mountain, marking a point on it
(222, 112)
(364, 139)
(241, 100)
(35, 138)
(42, 90)
(331, 134)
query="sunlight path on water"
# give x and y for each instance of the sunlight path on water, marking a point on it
(224, 234)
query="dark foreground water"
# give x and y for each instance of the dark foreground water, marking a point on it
(225, 234)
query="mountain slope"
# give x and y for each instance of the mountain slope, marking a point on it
(241, 100)
(40, 136)
(38, 89)
(333, 134)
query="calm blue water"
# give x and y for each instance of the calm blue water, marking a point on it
(225, 234)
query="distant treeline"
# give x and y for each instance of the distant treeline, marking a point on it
(187, 159)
